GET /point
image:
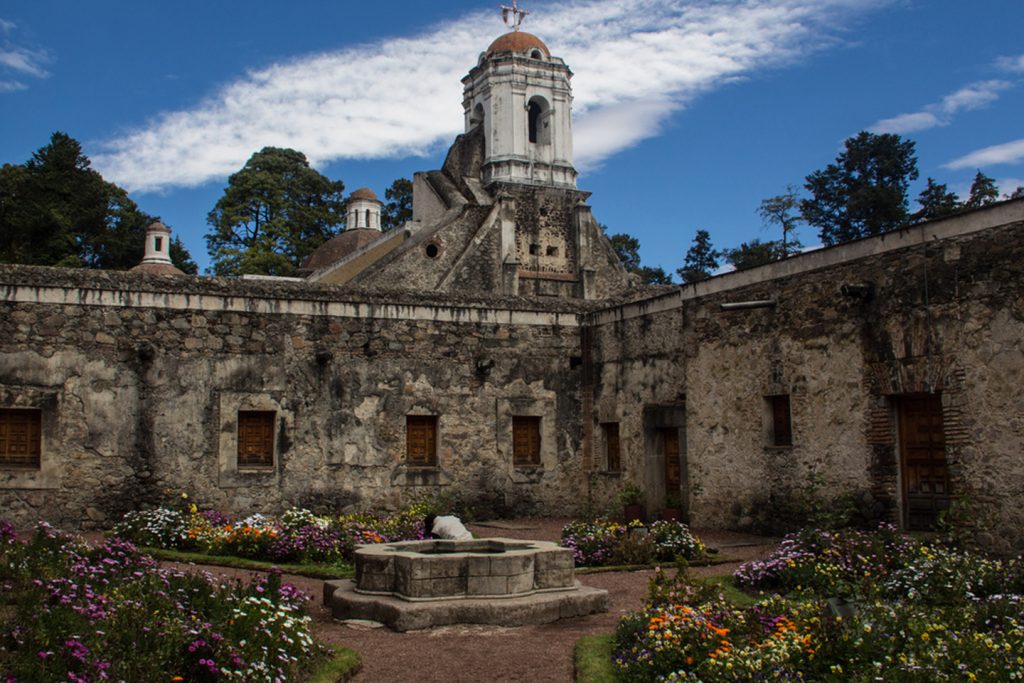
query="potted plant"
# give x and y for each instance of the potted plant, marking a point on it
(673, 510)
(632, 498)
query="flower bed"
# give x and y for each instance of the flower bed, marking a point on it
(919, 613)
(110, 613)
(604, 542)
(298, 536)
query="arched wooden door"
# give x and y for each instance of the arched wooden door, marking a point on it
(923, 467)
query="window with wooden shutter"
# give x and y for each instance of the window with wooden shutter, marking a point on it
(256, 438)
(421, 440)
(611, 446)
(525, 441)
(782, 431)
(20, 440)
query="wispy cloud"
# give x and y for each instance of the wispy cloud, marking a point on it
(973, 96)
(1012, 64)
(1006, 153)
(636, 61)
(17, 61)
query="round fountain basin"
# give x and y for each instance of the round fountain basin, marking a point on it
(445, 570)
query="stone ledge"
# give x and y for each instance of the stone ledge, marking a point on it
(400, 615)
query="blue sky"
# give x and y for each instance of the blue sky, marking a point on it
(687, 113)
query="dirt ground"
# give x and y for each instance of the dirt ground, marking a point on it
(474, 654)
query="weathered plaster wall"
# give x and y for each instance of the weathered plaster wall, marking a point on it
(141, 399)
(936, 309)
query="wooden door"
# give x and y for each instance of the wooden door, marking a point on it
(923, 460)
(670, 448)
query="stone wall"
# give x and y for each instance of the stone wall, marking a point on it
(140, 381)
(844, 332)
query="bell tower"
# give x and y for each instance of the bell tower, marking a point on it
(521, 96)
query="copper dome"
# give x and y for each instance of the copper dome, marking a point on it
(518, 41)
(364, 193)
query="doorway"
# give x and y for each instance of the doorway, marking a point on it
(923, 468)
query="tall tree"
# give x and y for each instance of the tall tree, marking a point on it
(398, 209)
(983, 191)
(864, 192)
(783, 210)
(701, 259)
(627, 248)
(274, 212)
(936, 201)
(56, 210)
(753, 253)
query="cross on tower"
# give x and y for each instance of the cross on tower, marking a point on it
(517, 15)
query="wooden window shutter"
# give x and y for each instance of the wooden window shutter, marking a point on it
(20, 437)
(256, 438)
(782, 432)
(526, 441)
(613, 462)
(421, 440)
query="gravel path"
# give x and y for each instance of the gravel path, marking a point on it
(473, 654)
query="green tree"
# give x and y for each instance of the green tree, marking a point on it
(783, 210)
(181, 258)
(936, 201)
(753, 253)
(274, 212)
(627, 248)
(1018, 193)
(983, 191)
(55, 210)
(398, 209)
(653, 275)
(864, 192)
(701, 259)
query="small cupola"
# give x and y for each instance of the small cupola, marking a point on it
(363, 210)
(157, 258)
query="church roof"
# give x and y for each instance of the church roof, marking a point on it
(518, 41)
(340, 246)
(364, 193)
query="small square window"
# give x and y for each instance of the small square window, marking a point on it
(421, 440)
(20, 437)
(552, 251)
(256, 438)
(780, 420)
(611, 446)
(525, 441)
(534, 250)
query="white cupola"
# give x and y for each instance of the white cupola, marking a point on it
(521, 95)
(363, 210)
(157, 258)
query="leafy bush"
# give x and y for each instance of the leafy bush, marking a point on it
(299, 536)
(161, 528)
(601, 542)
(84, 614)
(921, 614)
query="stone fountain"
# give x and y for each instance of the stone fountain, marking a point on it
(500, 581)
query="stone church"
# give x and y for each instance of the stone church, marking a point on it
(494, 348)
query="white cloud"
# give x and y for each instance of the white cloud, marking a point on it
(973, 96)
(1012, 64)
(25, 61)
(22, 61)
(908, 123)
(636, 61)
(1006, 153)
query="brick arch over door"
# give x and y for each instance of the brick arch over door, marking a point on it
(914, 392)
